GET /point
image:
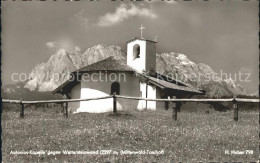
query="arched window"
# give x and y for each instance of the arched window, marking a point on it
(136, 51)
(115, 88)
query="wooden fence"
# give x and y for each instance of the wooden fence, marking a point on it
(115, 97)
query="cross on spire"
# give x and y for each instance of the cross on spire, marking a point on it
(142, 28)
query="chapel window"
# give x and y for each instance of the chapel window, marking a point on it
(136, 51)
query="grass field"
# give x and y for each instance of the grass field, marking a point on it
(194, 137)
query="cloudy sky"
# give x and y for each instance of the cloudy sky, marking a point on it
(223, 35)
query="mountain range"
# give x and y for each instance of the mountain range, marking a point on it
(47, 76)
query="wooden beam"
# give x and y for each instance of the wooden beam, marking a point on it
(177, 100)
(133, 98)
(54, 101)
(247, 100)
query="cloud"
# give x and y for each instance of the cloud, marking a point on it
(122, 13)
(63, 43)
(162, 1)
(51, 44)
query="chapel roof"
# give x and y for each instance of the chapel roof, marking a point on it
(108, 64)
(139, 38)
(166, 84)
(114, 64)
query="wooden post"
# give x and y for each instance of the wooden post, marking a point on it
(114, 104)
(66, 109)
(174, 109)
(235, 109)
(178, 106)
(197, 107)
(174, 112)
(146, 96)
(63, 108)
(22, 108)
(167, 104)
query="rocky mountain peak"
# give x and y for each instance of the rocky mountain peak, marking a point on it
(198, 75)
(49, 75)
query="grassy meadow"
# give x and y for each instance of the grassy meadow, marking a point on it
(193, 137)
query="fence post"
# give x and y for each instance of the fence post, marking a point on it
(114, 103)
(66, 110)
(235, 109)
(178, 106)
(174, 109)
(63, 109)
(22, 108)
(174, 112)
(167, 104)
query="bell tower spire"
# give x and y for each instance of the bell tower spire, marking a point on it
(141, 53)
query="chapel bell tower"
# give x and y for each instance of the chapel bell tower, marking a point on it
(141, 54)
